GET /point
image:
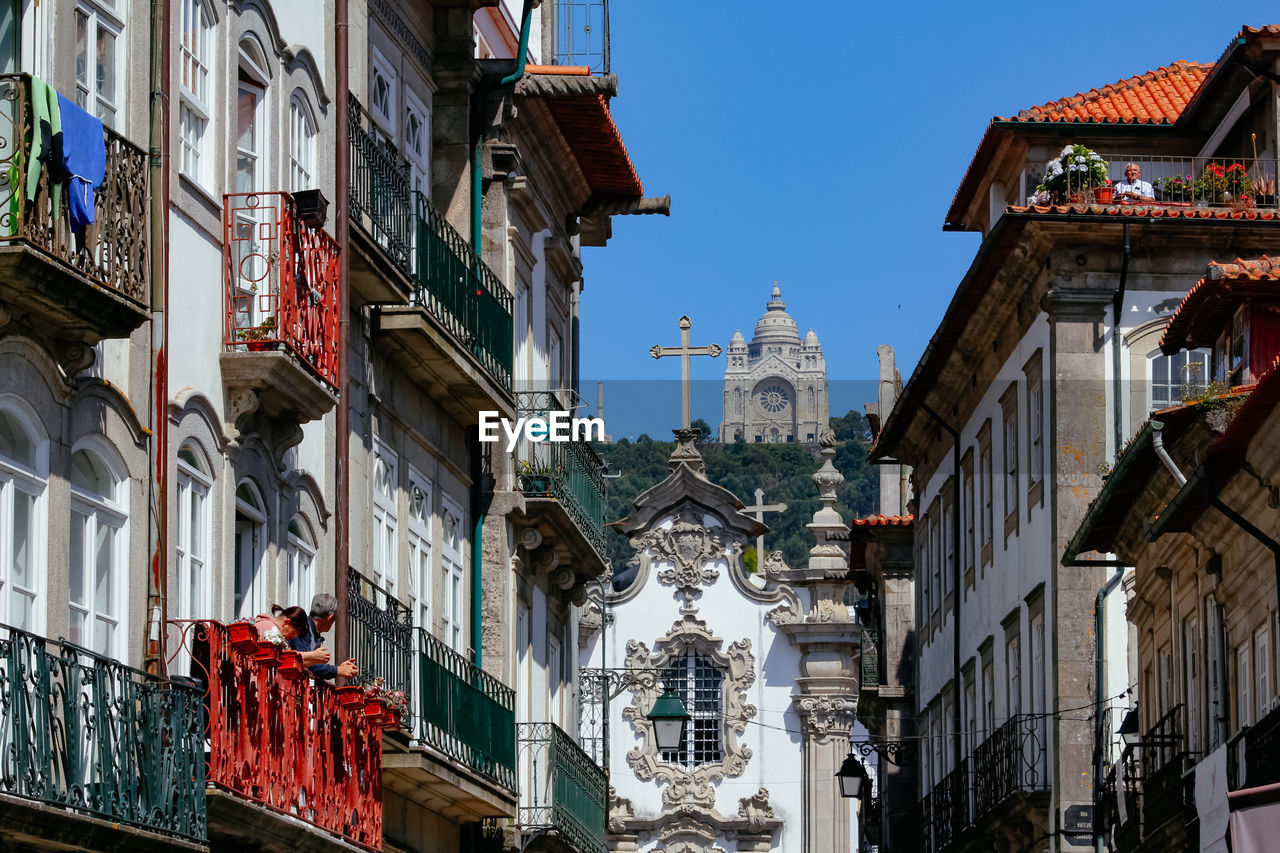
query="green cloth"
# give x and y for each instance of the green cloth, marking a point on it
(46, 142)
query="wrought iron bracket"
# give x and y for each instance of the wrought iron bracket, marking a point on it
(896, 752)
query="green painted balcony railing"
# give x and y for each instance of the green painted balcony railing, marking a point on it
(464, 712)
(564, 788)
(455, 286)
(380, 632)
(570, 472)
(871, 675)
(88, 734)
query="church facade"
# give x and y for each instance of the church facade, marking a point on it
(775, 388)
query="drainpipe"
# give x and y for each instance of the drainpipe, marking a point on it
(158, 261)
(1157, 442)
(955, 575)
(1100, 734)
(342, 426)
(477, 205)
(1117, 306)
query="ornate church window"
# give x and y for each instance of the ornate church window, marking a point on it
(773, 399)
(697, 682)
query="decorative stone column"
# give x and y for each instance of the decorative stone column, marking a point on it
(827, 690)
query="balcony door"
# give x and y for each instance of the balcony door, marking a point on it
(250, 253)
(250, 548)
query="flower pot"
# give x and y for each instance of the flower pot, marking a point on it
(537, 483)
(258, 346)
(392, 719)
(1075, 198)
(291, 665)
(267, 654)
(375, 710)
(242, 636)
(1103, 195)
(312, 207)
(350, 696)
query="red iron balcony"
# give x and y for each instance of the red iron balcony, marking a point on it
(281, 739)
(73, 287)
(281, 330)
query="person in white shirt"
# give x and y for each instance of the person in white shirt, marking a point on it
(1133, 188)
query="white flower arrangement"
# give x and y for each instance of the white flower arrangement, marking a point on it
(1075, 169)
(276, 638)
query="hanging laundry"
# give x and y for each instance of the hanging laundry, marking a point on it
(46, 143)
(84, 161)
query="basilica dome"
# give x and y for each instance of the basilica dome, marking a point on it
(776, 326)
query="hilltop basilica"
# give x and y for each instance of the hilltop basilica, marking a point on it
(775, 388)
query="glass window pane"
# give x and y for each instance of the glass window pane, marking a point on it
(23, 515)
(78, 524)
(82, 49)
(77, 633)
(106, 65)
(103, 636)
(15, 444)
(104, 561)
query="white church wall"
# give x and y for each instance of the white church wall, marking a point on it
(772, 733)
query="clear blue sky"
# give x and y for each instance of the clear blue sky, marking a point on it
(820, 144)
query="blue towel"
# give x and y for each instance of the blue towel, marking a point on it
(84, 156)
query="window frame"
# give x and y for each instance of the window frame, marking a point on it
(1009, 461)
(421, 549)
(193, 483)
(33, 483)
(452, 569)
(986, 488)
(301, 549)
(195, 106)
(385, 517)
(1033, 371)
(254, 523)
(98, 18)
(304, 131)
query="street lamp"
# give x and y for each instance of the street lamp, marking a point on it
(670, 720)
(851, 775)
(1129, 729)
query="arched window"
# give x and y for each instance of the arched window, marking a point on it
(24, 472)
(196, 93)
(699, 684)
(421, 514)
(99, 576)
(386, 532)
(302, 143)
(417, 141)
(302, 559)
(251, 544)
(194, 484)
(453, 609)
(252, 134)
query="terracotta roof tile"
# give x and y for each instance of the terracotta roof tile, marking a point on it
(884, 521)
(1203, 309)
(1156, 97)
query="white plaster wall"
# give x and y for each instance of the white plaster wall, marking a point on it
(300, 25)
(196, 311)
(772, 735)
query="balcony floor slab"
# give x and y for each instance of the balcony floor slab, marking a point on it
(559, 530)
(423, 776)
(280, 385)
(240, 824)
(30, 825)
(53, 299)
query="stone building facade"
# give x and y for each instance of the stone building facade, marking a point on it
(775, 388)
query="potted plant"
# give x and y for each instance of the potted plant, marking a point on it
(1219, 184)
(291, 665)
(258, 336)
(534, 479)
(389, 708)
(1176, 188)
(242, 636)
(1104, 193)
(270, 648)
(1074, 174)
(350, 696)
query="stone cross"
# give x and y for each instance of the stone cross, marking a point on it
(758, 511)
(685, 352)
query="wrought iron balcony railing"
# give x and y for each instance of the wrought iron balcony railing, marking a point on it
(949, 814)
(287, 743)
(88, 734)
(281, 282)
(380, 632)
(909, 830)
(1261, 753)
(464, 712)
(581, 34)
(1175, 182)
(570, 472)
(112, 252)
(561, 787)
(870, 650)
(1010, 761)
(449, 280)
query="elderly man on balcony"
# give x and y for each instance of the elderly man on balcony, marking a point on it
(1133, 188)
(324, 611)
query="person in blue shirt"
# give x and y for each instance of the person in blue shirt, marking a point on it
(324, 612)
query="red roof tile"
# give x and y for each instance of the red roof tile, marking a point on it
(1156, 97)
(589, 130)
(1203, 310)
(884, 521)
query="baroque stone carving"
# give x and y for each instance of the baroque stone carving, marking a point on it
(689, 547)
(784, 614)
(755, 809)
(688, 833)
(826, 716)
(684, 785)
(620, 811)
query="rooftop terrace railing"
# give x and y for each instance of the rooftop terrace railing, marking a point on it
(1174, 182)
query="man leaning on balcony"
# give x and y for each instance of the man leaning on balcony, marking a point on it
(1133, 188)
(324, 611)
